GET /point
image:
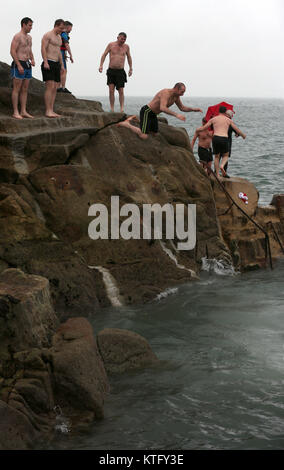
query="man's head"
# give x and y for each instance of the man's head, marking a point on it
(68, 26)
(180, 88)
(222, 109)
(229, 113)
(59, 26)
(121, 38)
(26, 24)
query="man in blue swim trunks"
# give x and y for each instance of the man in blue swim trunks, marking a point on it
(64, 49)
(21, 68)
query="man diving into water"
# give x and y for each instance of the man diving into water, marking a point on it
(159, 104)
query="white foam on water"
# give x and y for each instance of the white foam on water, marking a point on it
(220, 267)
(62, 424)
(110, 285)
(166, 293)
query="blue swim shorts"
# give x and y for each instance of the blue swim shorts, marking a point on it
(63, 53)
(27, 75)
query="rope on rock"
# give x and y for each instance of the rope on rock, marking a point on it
(267, 241)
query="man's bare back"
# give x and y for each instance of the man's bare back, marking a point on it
(221, 125)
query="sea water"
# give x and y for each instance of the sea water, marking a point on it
(220, 384)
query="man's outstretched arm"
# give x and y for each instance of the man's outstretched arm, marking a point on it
(237, 130)
(187, 109)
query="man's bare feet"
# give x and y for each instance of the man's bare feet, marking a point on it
(53, 115)
(17, 116)
(27, 115)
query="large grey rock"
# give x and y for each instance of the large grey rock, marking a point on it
(79, 375)
(27, 318)
(124, 350)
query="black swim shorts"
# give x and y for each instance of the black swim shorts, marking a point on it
(116, 77)
(220, 144)
(148, 120)
(53, 73)
(205, 155)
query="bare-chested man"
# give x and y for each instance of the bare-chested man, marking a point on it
(52, 65)
(21, 68)
(221, 124)
(159, 104)
(116, 75)
(204, 147)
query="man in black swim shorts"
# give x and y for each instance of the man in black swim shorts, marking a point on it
(159, 104)
(116, 76)
(220, 141)
(52, 65)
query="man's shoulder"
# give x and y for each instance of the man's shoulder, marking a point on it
(165, 91)
(17, 35)
(48, 34)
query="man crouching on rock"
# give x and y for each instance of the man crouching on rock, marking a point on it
(52, 65)
(21, 68)
(159, 104)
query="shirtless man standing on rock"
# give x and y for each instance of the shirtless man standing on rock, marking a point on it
(159, 104)
(116, 75)
(21, 68)
(52, 65)
(204, 147)
(220, 141)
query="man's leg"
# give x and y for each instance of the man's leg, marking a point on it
(136, 130)
(49, 98)
(209, 168)
(111, 96)
(23, 99)
(225, 158)
(63, 75)
(17, 85)
(121, 99)
(216, 164)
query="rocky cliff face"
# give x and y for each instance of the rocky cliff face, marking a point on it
(52, 273)
(53, 170)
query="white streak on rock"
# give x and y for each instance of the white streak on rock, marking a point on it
(110, 285)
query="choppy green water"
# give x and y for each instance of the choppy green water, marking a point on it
(221, 385)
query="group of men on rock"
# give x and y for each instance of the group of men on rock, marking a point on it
(54, 48)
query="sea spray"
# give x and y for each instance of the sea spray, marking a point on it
(220, 267)
(62, 424)
(166, 293)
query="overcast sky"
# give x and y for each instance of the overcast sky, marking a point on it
(229, 48)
